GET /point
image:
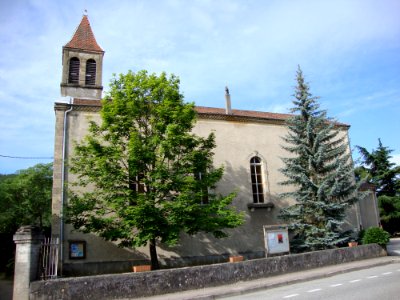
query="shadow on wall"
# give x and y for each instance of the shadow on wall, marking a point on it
(202, 248)
(101, 257)
(247, 240)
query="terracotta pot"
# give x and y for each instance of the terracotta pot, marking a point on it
(353, 244)
(237, 258)
(142, 268)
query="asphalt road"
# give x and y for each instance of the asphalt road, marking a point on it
(382, 283)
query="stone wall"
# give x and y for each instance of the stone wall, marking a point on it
(132, 285)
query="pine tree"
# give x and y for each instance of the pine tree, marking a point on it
(147, 177)
(377, 169)
(321, 173)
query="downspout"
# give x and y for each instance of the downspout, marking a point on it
(62, 187)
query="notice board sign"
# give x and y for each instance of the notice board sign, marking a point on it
(276, 239)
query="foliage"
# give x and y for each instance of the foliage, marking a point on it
(25, 199)
(377, 169)
(389, 209)
(320, 171)
(151, 178)
(376, 235)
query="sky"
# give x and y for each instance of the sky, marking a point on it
(349, 51)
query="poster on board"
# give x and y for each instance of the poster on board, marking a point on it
(276, 239)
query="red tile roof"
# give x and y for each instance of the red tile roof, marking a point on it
(220, 113)
(242, 113)
(202, 110)
(83, 37)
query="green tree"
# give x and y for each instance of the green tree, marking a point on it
(321, 173)
(151, 177)
(377, 169)
(25, 199)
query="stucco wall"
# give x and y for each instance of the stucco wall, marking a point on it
(236, 142)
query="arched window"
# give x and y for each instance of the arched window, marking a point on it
(90, 78)
(73, 75)
(256, 179)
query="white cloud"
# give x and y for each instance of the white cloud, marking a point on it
(396, 159)
(252, 46)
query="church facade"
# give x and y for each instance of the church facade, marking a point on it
(248, 143)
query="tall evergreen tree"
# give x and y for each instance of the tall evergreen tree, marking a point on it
(147, 177)
(321, 173)
(377, 169)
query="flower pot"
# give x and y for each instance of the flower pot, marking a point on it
(353, 244)
(141, 268)
(236, 258)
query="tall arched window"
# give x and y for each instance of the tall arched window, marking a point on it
(90, 78)
(256, 179)
(73, 74)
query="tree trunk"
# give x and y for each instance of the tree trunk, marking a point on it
(153, 255)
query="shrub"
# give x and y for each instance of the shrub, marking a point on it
(376, 235)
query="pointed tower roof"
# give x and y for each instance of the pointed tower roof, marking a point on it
(83, 37)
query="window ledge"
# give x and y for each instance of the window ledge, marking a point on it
(267, 205)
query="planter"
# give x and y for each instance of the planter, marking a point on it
(353, 244)
(141, 268)
(236, 258)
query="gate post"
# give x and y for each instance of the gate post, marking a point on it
(28, 240)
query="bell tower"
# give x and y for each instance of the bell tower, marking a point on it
(82, 64)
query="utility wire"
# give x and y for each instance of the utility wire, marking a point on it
(24, 157)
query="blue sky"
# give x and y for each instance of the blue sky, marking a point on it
(349, 51)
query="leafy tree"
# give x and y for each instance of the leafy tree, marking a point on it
(321, 173)
(377, 169)
(151, 178)
(25, 199)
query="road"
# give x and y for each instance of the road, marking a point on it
(369, 284)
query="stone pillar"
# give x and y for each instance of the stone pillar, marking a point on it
(28, 240)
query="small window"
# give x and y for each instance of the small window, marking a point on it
(73, 75)
(90, 78)
(256, 179)
(138, 185)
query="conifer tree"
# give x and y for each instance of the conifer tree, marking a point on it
(148, 178)
(379, 170)
(320, 171)
(376, 168)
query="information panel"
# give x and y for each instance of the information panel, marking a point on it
(276, 239)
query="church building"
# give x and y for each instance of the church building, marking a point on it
(248, 146)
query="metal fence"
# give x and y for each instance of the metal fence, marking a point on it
(48, 261)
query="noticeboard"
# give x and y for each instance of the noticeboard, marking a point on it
(77, 249)
(276, 239)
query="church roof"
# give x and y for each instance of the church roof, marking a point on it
(242, 113)
(83, 37)
(212, 113)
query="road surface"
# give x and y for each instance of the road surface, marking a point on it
(382, 283)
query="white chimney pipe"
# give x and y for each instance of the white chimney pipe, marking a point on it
(228, 101)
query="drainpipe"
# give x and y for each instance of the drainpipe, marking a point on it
(62, 187)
